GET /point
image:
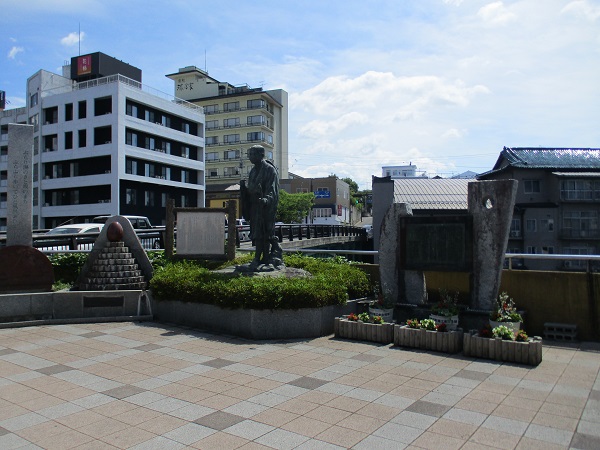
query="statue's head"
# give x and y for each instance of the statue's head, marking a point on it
(256, 153)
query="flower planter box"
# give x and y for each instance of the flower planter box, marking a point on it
(529, 352)
(451, 321)
(374, 332)
(447, 342)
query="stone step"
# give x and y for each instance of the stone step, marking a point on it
(113, 267)
(115, 274)
(112, 287)
(114, 280)
(115, 255)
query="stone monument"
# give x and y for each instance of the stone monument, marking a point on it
(22, 267)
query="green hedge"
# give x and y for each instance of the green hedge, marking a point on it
(332, 283)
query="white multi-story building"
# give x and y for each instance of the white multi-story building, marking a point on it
(397, 172)
(106, 144)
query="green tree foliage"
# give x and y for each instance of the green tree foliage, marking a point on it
(294, 207)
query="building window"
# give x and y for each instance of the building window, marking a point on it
(547, 225)
(581, 223)
(531, 225)
(68, 112)
(301, 190)
(231, 154)
(231, 138)
(576, 190)
(547, 250)
(211, 109)
(82, 138)
(531, 186)
(531, 249)
(33, 100)
(256, 120)
(270, 138)
(131, 138)
(185, 127)
(130, 195)
(185, 152)
(163, 199)
(149, 115)
(231, 171)
(150, 143)
(131, 167)
(212, 140)
(231, 106)
(254, 104)
(230, 123)
(213, 172)
(149, 198)
(68, 140)
(212, 156)
(131, 110)
(323, 189)
(212, 124)
(81, 109)
(322, 212)
(256, 136)
(515, 228)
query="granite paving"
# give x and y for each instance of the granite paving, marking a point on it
(156, 386)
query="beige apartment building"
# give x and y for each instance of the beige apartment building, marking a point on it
(237, 117)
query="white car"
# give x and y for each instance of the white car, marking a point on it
(58, 240)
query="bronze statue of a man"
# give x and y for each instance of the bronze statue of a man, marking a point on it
(259, 206)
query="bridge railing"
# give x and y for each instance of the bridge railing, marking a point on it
(154, 239)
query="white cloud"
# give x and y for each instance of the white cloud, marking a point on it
(14, 51)
(318, 128)
(72, 39)
(496, 14)
(583, 8)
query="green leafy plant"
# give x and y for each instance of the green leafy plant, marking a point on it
(364, 317)
(428, 324)
(331, 283)
(377, 319)
(448, 304)
(505, 310)
(383, 299)
(413, 323)
(503, 332)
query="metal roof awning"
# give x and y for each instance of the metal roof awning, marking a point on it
(577, 174)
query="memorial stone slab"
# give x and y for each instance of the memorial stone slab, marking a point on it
(19, 198)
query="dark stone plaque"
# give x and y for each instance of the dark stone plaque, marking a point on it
(441, 243)
(24, 269)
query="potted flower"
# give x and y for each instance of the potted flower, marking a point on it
(446, 310)
(505, 314)
(383, 305)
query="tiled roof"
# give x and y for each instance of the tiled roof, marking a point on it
(550, 158)
(428, 193)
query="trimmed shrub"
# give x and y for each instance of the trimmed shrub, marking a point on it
(332, 283)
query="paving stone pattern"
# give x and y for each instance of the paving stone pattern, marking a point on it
(151, 386)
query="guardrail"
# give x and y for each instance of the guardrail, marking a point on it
(154, 238)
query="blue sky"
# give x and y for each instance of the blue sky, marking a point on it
(441, 84)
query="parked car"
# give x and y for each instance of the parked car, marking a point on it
(139, 223)
(243, 229)
(58, 240)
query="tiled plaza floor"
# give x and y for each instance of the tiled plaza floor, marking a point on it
(151, 386)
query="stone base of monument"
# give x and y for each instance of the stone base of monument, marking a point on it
(253, 323)
(74, 307)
